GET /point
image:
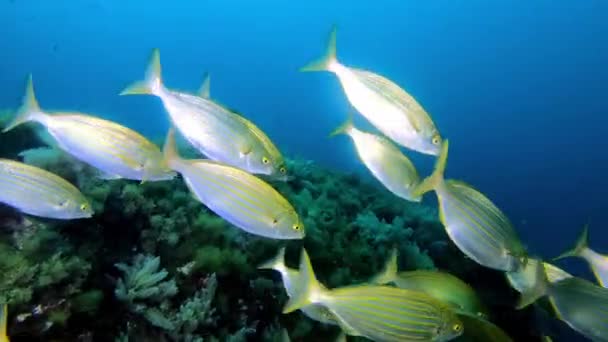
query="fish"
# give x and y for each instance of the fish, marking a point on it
(579, 302)
(440, 285)
(384, 160)
(115, 150)
(213, 129)
(597, 261)
(3, 323)
(242, 199)
(383, 103)
(523, 280)
(290, 279)
(37, 192)
(477, 227)
(380, 313)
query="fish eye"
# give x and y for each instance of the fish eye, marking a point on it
(265, 160)
(282, 170)
(297, 226)
(84, 207)
(457, 327)
(436, 139)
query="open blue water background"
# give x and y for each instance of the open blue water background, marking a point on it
(519, 87)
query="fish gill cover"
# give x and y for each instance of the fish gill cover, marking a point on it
(517, 87)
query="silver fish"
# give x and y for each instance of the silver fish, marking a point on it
(384, 160)
(237, 196)
(473, 222)
(115, 150)
(217, 132)
(578, 302)
(380, 313)
(383, 103)
(37, 192)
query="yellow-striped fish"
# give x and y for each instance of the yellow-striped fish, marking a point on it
(290, 279)
(384, 160)
(37, 192)
(597, 261)
(115, 150)
(440, 285)
(3, 321)
(523, 279)
(473, 222)
(380, 313)
(214, 130)
(578, 302)
(237, 196)
(383, 103)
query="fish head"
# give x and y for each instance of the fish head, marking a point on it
(74, 208)
(288, 226)
(280, 172)
(429, 143)
(451, 327)
(260, 162)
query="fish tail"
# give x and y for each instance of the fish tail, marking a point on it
(537, 291)
(29, 110)
(389, 273)
(344, 128)
(308, 287)
(579, 247)
(277, 262)
(3, 321)
(204, 90)
(152, 83)
(436, 178)
(170, 155)
(327, 60)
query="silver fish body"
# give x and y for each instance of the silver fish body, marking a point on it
(383, 103)
(37, 192)
(478, 227)
(473, 222)
(237, 196)
(115, 150)
(385, 161)
(583, 306)
(380, 313)
(214, 130)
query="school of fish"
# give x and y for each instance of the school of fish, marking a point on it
(419, 305)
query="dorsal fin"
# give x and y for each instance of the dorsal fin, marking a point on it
(203, 91)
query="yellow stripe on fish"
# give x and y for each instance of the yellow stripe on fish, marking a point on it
(440, 285)
(473, 222)
(383, 103)
(217, 132)
(114, 149)
(384, 160)
(578, 302)
(37, 192)
(237, 196)
(380, 313)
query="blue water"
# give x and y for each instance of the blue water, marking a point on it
(519, 87)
